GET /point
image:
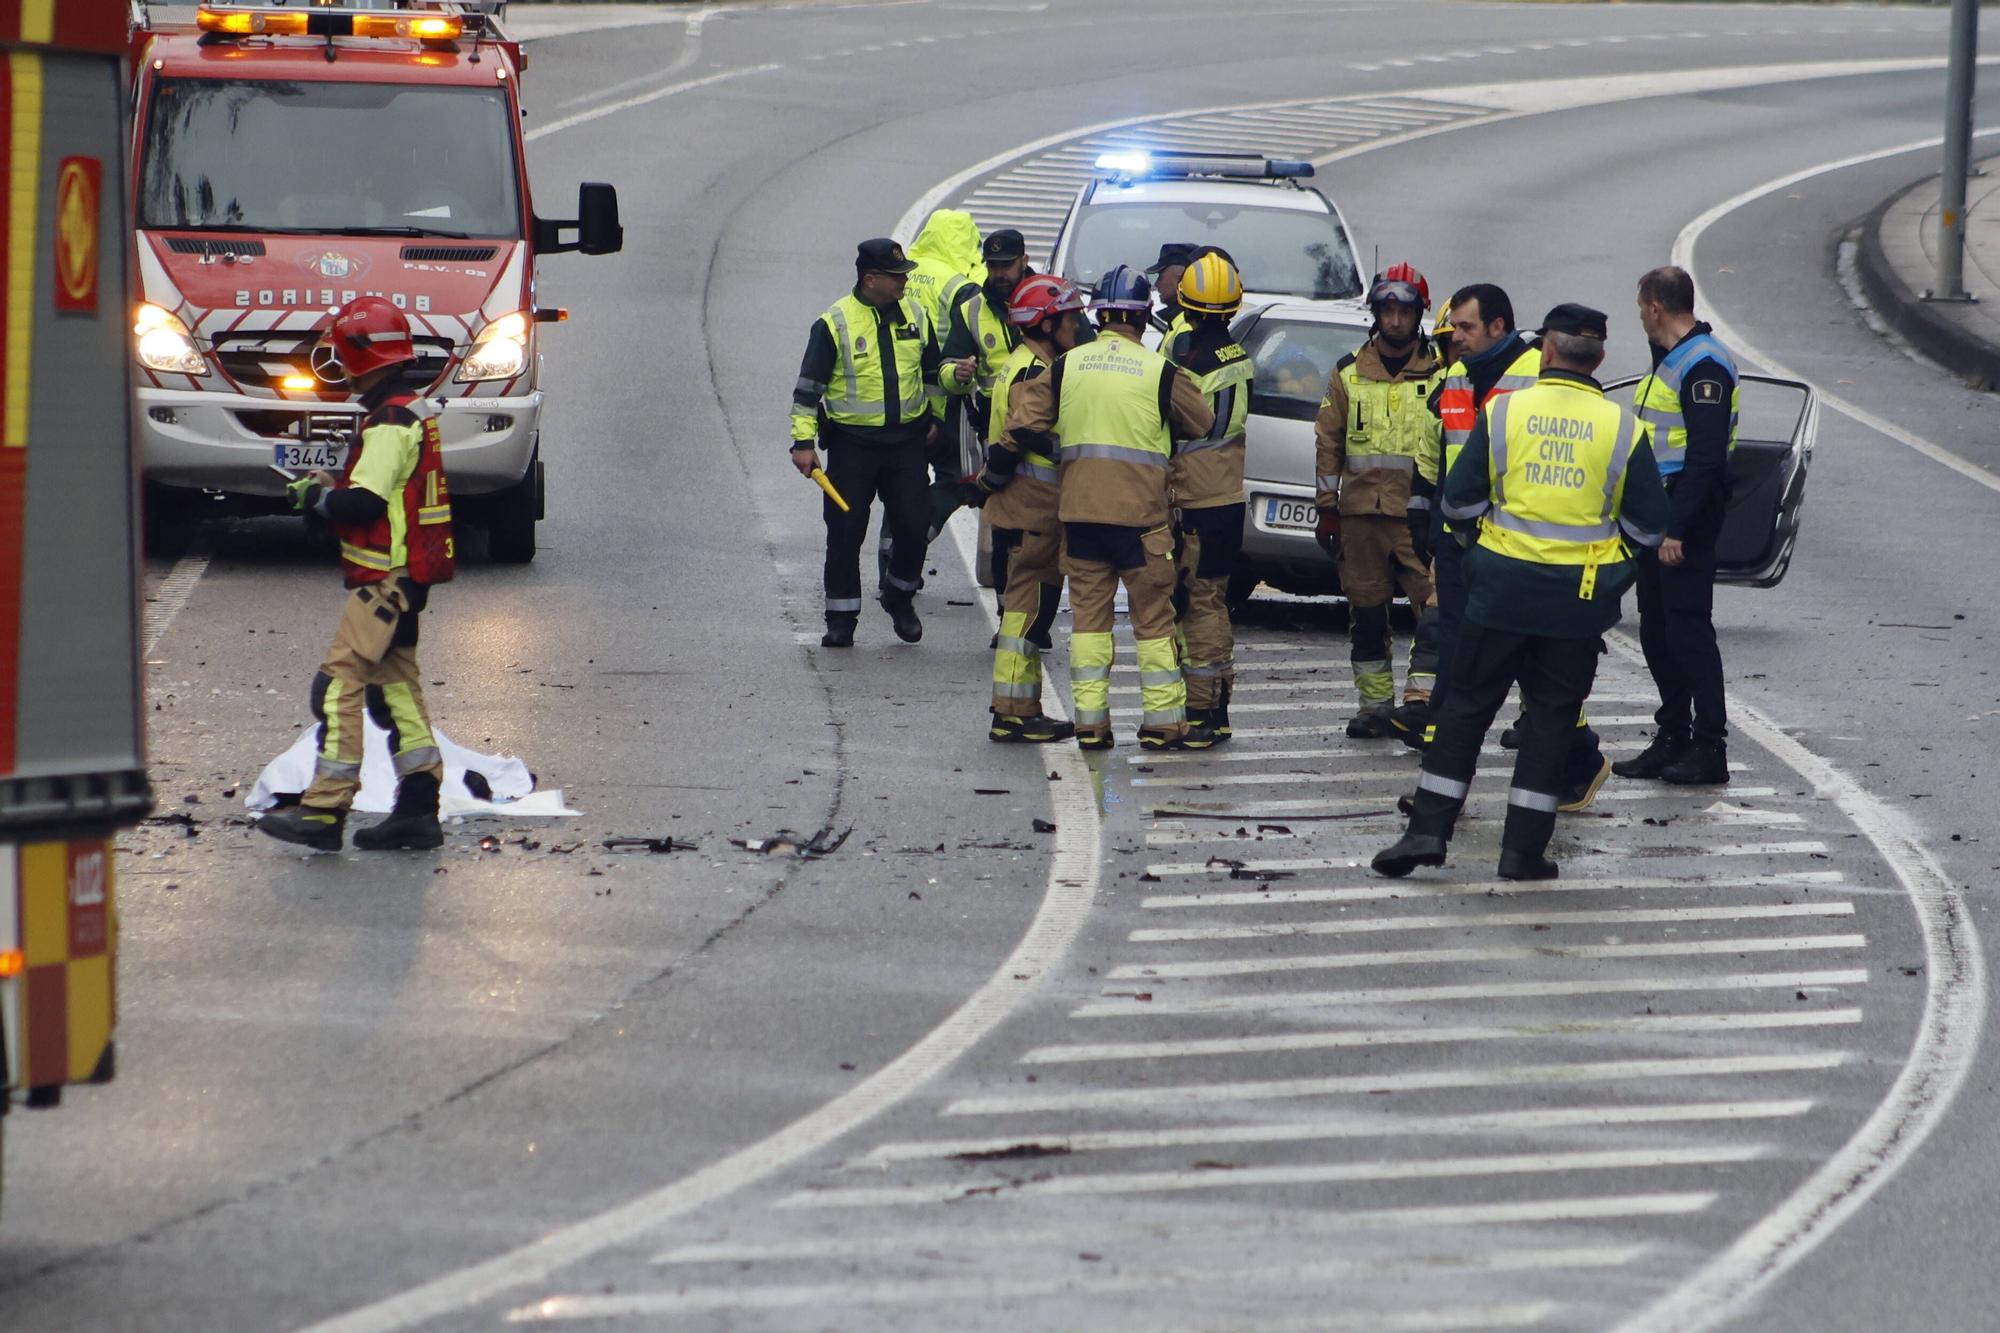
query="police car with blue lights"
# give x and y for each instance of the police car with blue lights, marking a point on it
(1288, 240)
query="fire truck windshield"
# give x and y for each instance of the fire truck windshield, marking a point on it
(341, 158)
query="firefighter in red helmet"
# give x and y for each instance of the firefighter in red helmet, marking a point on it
(391, 509)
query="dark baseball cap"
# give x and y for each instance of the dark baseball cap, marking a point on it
(1578, 321)
(1003, 245)
(1173, 252)
(882, 255)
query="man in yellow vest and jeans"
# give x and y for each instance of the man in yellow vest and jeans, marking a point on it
(1206, 480)
(1023, 508)
(1377, 462)
(1118, 410)
(864, 390)
(1561, 478)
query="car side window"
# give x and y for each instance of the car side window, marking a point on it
(1294, 359)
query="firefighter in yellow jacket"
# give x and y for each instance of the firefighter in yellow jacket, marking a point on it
(1118, 410)
(1206, 479)
(391, 510)
(1377, 466)
(1022, 504)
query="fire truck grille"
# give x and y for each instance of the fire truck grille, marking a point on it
(193, 245)
(450, 254)
(259, 362)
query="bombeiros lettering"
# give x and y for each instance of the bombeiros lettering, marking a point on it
(315, 298)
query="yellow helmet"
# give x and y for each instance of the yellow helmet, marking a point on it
(1211, 286)
(1444, 322)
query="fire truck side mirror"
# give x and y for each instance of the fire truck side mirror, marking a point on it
(597, 228)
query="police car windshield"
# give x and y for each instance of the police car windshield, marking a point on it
(1280, 251)
(341, 158)
(1294, 359)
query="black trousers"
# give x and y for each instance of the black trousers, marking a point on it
(1555, 677)
(1677, 631)
(1448, 577)
(861, 473)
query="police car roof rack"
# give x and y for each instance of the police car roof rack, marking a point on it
(1125, 165)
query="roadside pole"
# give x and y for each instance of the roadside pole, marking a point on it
(1957, 152)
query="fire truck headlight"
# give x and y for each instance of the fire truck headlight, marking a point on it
(163, 342)
(500, 352)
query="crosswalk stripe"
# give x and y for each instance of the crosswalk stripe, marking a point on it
(1291, 1175)
(1344, 1038)
(1333, 962)
(1319, 705)
(1114, 1007)
(1404, 889)
(1616, 916)
(1160, 1097)
(1276, 1222)
(1535, 1121)
(695, 1300)
(1220, 866)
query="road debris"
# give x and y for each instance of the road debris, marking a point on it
(623, 845)
(785, 842)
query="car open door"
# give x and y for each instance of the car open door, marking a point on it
(1778, 425)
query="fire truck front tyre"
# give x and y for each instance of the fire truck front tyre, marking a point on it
(170, 522)
(511, 516)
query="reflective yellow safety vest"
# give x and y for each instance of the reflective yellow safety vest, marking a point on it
(1658, 402)
(992, 339)
(1558, 454)
(1460, 410)
(1111, 404)
(1235, 371)
(1389, 425)
(856, 395)
(937, 287)
(1018, 363)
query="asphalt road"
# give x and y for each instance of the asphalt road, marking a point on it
(344, 1079)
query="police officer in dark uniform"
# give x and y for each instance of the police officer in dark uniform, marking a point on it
(1560, 478)
(864, 390)
(1690, 401)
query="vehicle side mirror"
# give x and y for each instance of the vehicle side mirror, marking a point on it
(597, 228)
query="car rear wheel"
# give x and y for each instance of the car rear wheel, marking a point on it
(511, 516)
(1242, 585)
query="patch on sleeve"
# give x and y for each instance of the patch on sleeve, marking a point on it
(1706, 391)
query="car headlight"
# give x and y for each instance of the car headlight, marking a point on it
(500, 352)
(164, 343)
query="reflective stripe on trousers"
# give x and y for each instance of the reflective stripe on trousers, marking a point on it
(1017, 668)
(1090, 678)
(1162, 691)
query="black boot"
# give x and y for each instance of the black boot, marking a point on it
(1423, 842)
(1655, 759)
(1370, 724)
(1523, 839)
(412, 825)
(1704, 763)
(903, 615)
(839, 630)
(1214, 723)
(1411, 722)
(1040, 729)
(1510, 739)
(1219, 716)
(307, 826)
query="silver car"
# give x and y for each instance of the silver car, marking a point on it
(1295, 346)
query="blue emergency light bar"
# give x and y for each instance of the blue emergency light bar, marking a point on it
(1139, 164)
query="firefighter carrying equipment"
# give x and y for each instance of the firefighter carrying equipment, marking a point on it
(1658, 400)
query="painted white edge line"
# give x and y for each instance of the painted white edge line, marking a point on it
(1936, 1069)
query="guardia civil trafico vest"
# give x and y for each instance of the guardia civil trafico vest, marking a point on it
(1557, 459)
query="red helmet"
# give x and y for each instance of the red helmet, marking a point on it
(1043, 297)
(369, 333)
(1401, 283)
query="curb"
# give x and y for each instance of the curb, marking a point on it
(1963, 353)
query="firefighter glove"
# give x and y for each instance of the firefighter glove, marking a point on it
(999, 470)
(308, 495)
(1327, 533)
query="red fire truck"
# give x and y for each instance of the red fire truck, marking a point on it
(72, 764)
(288, 157)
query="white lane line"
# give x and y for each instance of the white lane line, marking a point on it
(171, 597)
(1408, 1080)
(1225, 867)
(1404, 1319)
(1534, 1121)
(1279, 1177)
(1345, 1038)
(1722, 812)
(1277, 1222)
(1374, 892)
(1496, 990)
(644, 99)
(1314, 705)
(1337, 962)
(695, 1300)
(1616, 916)
(1650, 792)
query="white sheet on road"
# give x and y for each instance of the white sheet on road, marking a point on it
(513, 785)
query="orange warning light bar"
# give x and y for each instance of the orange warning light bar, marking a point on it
(250, 23)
